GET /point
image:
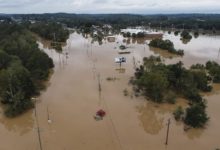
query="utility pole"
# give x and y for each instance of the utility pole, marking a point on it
(38, 128)
(48, 115)
(54, 36)
(100, 88)
(99, 82)
(168, 128)
(160, 26)
(218, 54)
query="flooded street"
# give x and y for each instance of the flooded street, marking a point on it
(79, 87)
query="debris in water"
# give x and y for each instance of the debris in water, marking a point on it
(112, 78)
(49, 121)
(99, 115)
(186, 128)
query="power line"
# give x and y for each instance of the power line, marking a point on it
(110, 118)
(38, 128)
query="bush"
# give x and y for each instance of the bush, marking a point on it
(196, 34)
(170, 97)
(122, 47)
(196, 116)
(134, 35)
(140, 34)
(128, 34)
(178, 113)
(125, 91)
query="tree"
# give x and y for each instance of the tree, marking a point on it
(192, 94)
(154, 84)
(165, 45)
(176, 33)
(214, 70)
(18, 105)
(186, 35)
(170, 97)
(52, 31)
(4, 60)
(22, 66)
(201, 80)
(161, 83)
(196, 116)
(16, 90)
(134, 35)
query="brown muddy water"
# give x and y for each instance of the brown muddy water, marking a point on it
(132, 123)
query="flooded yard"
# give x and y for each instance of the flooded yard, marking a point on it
(79, 87)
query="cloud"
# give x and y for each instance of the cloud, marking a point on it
(110, 6)
(16, 3)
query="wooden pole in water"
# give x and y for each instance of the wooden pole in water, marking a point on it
(48, 115)
(168, 128)
(134, 63)
(38, 128)
(100, 89)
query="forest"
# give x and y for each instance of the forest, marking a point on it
(50, 31)
(23, 68)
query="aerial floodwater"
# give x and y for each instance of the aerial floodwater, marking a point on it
(86, 79)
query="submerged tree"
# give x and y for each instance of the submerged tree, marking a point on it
(186, 35)
(165, 45)
(196, 116)
(162, 83)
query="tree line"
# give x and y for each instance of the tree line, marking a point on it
(166, 45)
(50, 30)
(119, 21)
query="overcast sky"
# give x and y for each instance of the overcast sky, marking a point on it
(110, 6)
